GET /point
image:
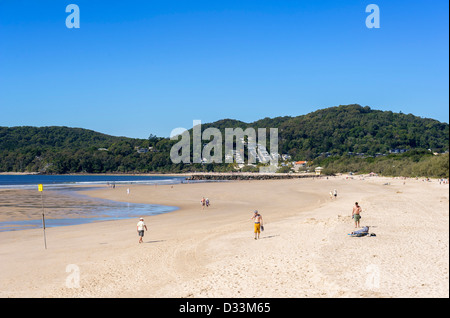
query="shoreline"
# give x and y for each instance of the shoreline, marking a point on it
(66, 207)
(225, 176)
(304, 251)
(233, 174)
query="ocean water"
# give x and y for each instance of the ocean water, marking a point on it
(51, 182)
(62, 196)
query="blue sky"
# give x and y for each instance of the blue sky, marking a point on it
(136, 68)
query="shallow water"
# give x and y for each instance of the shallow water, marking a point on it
(21, 205)
(22, 209)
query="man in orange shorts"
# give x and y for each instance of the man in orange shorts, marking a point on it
(258, 223)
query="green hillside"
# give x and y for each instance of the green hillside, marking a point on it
(61, 150)
(350, 128)
(357, 129)
(360, 135)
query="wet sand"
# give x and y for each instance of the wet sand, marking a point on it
(21, 209)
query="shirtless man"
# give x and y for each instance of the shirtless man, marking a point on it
(258, 222)
(356, 214)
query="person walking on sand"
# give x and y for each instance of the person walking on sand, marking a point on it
(258, 220)
(203, 202)
(356, 214)
(335, 193)
(140, 229)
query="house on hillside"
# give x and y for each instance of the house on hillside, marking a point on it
(141, 150)
(397, 150)
(300, 164)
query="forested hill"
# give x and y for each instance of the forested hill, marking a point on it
(350, 128)
(334, 131)
(54, 138)
(62, 150)
(361, 130)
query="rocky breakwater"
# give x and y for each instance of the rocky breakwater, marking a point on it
(247, 176)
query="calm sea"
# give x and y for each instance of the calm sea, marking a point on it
(89, 209)
(64, 181)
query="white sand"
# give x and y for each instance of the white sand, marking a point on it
(304, 251)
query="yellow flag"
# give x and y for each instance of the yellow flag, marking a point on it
(40, 188)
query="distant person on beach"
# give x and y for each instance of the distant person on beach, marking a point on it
(331, 195)
(258, 220)
(140, 229)
(207, 202)
(335, 193)
(203, 202)
(356, 214)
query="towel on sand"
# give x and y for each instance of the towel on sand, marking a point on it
(364, 231)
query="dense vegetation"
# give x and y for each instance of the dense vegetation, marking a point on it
(343, 138)
(361, 130)
(350, 128)
(71, 150)
(415, 163)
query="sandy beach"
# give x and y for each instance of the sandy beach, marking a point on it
(305, 250)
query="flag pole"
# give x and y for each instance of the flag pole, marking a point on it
(41, 190)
